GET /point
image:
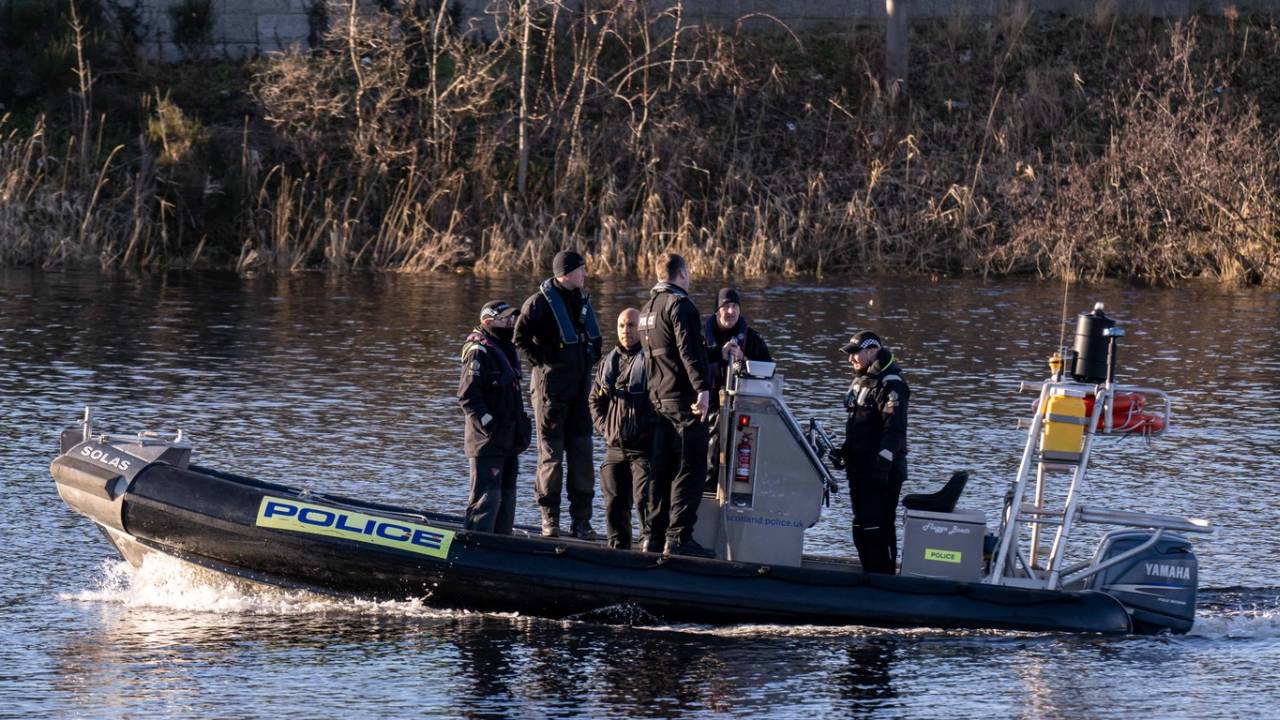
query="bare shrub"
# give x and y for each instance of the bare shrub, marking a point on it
(191, 27)
(1184, 188)
(1036, 144)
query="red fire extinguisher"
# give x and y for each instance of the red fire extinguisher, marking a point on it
(743, 471)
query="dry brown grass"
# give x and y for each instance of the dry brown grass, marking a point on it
(1030, 144)
(1185, 187)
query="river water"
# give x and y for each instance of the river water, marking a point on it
(345, 384)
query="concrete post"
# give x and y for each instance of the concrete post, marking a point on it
(522, 169)
(895, 48)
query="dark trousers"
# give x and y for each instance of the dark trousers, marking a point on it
(679, 471)
(875, 506)
(625, 479)
(492, 504)
(564, 438)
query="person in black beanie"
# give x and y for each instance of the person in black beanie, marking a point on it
(728, 339)
(559, 335)
(497, 429)
(875, 449)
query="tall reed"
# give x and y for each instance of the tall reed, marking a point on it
(1030, 145)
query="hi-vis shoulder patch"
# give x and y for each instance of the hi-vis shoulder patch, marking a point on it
(892, 403)
(471, 349)
(297, 516)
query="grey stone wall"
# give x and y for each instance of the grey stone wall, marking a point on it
(803, 12)
(248, 27)
(240, 28)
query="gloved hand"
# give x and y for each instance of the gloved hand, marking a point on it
(837, 457)
(731, 352)
(882, 468)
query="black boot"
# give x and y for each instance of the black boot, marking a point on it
(687, 547)
(550, 524)
(582, 530)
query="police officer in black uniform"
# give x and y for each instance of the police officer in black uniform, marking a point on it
(558, 332)
(728, 339)
(497, 429)
(875, 449)
(680, 390)
(624, 417)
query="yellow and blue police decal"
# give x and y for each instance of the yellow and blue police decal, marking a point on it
(297, 516)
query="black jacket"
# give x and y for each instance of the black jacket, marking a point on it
(489, 393)
(715, 338)
(559, 369)
(671, 334)
(877, 406)
(620, 406)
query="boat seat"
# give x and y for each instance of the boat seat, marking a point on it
(943, 501)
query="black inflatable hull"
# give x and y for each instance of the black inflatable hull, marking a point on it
(273, 534)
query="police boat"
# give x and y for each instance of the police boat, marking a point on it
(146, 496)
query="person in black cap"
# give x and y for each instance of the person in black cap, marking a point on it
(558, 332)
(875, 449)
(497, 428)
(680, 390)
(728, 339)
(624, 417)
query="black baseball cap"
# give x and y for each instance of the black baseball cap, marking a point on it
(862, 341)
(496, 309)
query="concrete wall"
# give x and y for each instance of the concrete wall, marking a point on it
(802, 12)
(241, 28)
(826, 11)
(248, 27)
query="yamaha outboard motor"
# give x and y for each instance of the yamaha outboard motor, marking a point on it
(1157, 585)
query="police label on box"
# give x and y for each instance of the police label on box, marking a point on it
(947, 556)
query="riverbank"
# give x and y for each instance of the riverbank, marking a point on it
(1093, 147)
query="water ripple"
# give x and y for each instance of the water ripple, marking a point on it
(345, 384)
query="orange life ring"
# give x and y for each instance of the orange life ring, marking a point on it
(1122, 404)
(1127, 414)
(1144, 423)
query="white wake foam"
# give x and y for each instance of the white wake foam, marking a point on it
(166, 583)
(836, 631)
(1252, 624)
(170, 584)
